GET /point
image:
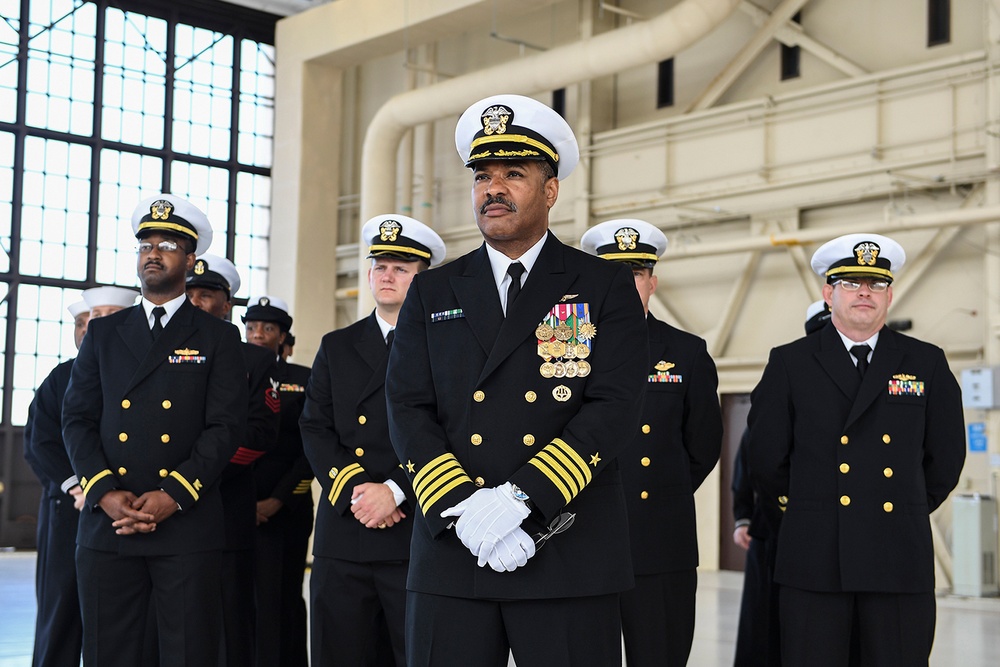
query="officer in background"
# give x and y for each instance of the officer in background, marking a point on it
(154, 410)
(288, 347)
(284, 502)
(857, 433)
(361, 548)
(210, 287)
(757, 643)
(671, 454)
(58, 608)
(514, 371)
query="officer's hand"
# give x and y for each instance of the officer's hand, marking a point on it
(372, 503)
(741, 536)
(486, 517)
(159, 503)
(117, 504)
(267, 508)
(78, 498)
(510, 553)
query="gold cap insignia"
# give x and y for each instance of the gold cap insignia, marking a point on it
(663, 365)
(867, 253)
(264, 301)
(495, 119)
(186, 352)
(904, 377)
(199, 267)
(626, 237)
(160, 209)
(389, 230)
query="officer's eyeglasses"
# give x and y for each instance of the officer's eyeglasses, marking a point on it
(145, 247)
(560, 524)
(855, 285)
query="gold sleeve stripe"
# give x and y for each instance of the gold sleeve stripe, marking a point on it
(103, 473)
(537, 461)
(432, 490)
(338, 484)
(190, 489)
(303, 487)
(464, 479)
(569, 466)
(432, 466)
(576, 458)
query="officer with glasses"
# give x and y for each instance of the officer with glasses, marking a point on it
(856, 436)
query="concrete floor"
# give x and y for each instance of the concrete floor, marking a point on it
(968, 629)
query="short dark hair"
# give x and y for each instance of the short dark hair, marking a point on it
(547, 170)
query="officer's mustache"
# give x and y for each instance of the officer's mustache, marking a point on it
(152, 262)
(498, 199)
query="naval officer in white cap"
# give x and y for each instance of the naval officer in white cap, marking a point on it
(155, 408)
(515, 370)
(856, 436)
(672, 452)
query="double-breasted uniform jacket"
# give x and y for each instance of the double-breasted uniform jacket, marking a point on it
(345, 432)
(284, 472)
(675, 448)
(469, 407)
(858, 464)
(239, 494)
(168, 414)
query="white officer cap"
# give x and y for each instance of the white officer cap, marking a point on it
(400, 237)
(109, 296)
(858, 255)
(78, 308)
(625, 240)
(214, 272)
(268, 309)
(817, 315)
(514, 127)
(175, 215)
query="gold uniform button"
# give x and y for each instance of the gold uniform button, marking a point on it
(359, 452)
(645, 428)
(163, 472)
(126, 404)
(362, 419)
(843, 439)
(122, 437)
(122, 471)
(887, 472)
(844, 468)
(886, 439)
(480, 482)
(887, 507)
(782, 500)
(528, 439)
(333, 473)
(644, 461)
(530, 397)
(166, 405)
(165, 438)
(845, 500)
(644, 495)
(476, 439)
(479, 396)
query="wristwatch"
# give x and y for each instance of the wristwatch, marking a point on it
(518, 494)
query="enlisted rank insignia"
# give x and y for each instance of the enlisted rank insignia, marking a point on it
(199, 267)
(271, 398)
(663, 373)
(186, 356)
(443, 315)
(867, 253)
(905, 385)
(565, 339)
(389, 231)
(160, 209)
(626, 238)
(496, 118)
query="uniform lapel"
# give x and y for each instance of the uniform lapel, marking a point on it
(135, 333)
(477, 295)
(545, 286)
(177, 331)
(835, 360)
(371, 347)
(657, 342)
(885, 359)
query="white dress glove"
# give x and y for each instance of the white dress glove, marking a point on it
(510, 553)
(486, 517)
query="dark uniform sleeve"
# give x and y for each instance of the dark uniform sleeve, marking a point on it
(43, 441)
(742, 488)
(263, 409)
(944, 434)
(702, 418)
(771, 434)
(82, 409)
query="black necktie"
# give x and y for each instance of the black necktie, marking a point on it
(158, 312)
(860, 353)
(514, 271)
(388, 338)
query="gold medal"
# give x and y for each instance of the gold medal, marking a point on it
(582, 351)
(572, 369)
(557, 348)
(547, 370)
(563, 332)
(570, 352)
(586, 331)
(543, 332)
(582, 369)
(543, 351)
(562, 393)
(560, 369)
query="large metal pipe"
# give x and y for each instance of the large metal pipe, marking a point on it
(641, 43)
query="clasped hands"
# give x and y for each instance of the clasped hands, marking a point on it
(133, 514)
(489, 525)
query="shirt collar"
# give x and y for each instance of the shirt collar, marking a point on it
(384, 326)
(499, 261)
(848, 343)
(170, 306)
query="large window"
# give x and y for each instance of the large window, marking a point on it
(105, 103)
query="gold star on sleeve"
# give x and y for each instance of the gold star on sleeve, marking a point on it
(595, 459)
(410, 468)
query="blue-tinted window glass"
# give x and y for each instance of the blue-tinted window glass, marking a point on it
(206, 188)
(10, 24)
(203, 93)
(135, 76)
(126, 179)
(256, 125)
(253, 228)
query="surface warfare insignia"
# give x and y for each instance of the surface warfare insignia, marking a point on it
(496, 118)
(389, 231)
(160, 209)
(565, 339)
(271, 398)
(905, 385)
(567, 297)
(867, 253)
(663, 373)
(199, 267)
(186, 356)
(626, 237)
